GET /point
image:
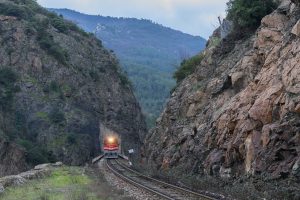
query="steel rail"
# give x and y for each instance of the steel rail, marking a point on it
(166, 184)
(131, 181)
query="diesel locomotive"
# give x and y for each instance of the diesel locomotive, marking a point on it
(111, 146)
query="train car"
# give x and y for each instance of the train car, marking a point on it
(111, 146)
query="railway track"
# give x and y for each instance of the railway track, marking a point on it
(156, 187)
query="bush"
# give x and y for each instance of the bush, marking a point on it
(75, 28)
(7, 88)
(54, 87)
(187, 67)
(35, 153)
(71, 139)
(247, 14)
(124, 79)
(56, 116)
(7, 77)
(47, 43)
(94, 75)
(20, 122)
(15, 10)
(59, 24)
(25, 143)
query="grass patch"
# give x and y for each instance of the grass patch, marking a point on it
(42, 115)
(67, 183)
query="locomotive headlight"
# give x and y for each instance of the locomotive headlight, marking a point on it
(111, 140)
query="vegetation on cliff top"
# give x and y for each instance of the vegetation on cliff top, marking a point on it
(27, 10)
(187, 67)
(247, 14)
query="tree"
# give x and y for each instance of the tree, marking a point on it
(247, 14)
(7, 88)
(187, 67)
(56, 116)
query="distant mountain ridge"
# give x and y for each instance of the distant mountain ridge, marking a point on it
(148, 52)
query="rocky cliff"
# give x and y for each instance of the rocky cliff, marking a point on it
(57, 84)
(237, 117)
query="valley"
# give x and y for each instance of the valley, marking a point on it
(87, 118)
(149, 54)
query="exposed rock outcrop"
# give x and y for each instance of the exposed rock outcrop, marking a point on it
(239, 113)
(12, 158)
(57, 83)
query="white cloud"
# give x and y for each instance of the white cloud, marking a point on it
(191, 16)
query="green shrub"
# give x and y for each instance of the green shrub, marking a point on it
(47, 43)
(25, 143)
(60, 24)
(11, 9)
(187, 67)
(124, 80)
(42, 115)
(54, 87)
(75, 28)
(7, 88)
(7, 77)
(94, 75)
(37, 155)
(247, 14)
(20, 122)
(71, 138)
(122, 75)
(66, 89)
(56, 116)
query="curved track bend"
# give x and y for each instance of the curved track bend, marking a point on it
(156, 187)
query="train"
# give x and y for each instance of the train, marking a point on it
(111, 146)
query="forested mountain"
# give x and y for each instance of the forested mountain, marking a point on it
(57, 85)
(148, 52)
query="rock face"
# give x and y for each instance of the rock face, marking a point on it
(12, 158)
(57, 84)
(239, 113)
(296, 29)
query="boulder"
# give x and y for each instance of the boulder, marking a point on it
(57, 164)
(42, 166)
(1, 189)
(296, 29)
(225, 172)
(275, 20)
(35, 173)
(284, 7)
(6, 18)
(296, 168)
(14, 180)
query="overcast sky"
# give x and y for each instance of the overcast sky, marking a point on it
(196, 17)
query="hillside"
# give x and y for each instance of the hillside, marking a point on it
(148, 52)
(233, 125)
(57, 84)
